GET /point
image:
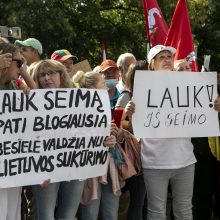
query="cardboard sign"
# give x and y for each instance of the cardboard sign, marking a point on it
(83, 66)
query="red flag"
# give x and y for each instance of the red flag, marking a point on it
(156, 27)
(180, 36)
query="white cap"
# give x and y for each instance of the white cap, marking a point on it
(157, 49)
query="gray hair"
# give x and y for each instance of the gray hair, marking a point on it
(121, 61)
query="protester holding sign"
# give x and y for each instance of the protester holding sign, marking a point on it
(52, 74)
(10, 198)
(105, 189)
(166, 160)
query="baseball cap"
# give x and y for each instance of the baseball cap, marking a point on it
(30, 42)
(107, 64)
(157, 49)
(62, 55)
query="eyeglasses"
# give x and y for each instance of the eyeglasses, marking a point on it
(19, 63)
(49, 73)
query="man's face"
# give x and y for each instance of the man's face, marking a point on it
(29, 54)
(69, 66)
(111, 73)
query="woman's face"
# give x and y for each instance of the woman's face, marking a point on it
(101, 83)
(163, 61)
(49, 78)
(14, 68)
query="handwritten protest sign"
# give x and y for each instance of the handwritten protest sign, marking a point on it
(52, 134)
(175, 104)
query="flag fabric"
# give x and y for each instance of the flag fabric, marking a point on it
(103, 53)
(180, 36)
(156, 27)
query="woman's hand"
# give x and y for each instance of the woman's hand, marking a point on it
(45, 184)
(23, 68)
(26, 76)
(130, 109)
(5, 60)
(217, 104)
(114, 129)
(117, 132)
(110, 141)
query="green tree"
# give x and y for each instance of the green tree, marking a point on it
(81, 26)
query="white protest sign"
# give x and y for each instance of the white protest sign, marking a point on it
(53, 134)
(175, 104)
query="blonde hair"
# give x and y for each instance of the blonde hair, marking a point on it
(86, 80)
(31, 68)
(65, 81)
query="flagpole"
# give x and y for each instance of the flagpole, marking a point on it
(103, 52)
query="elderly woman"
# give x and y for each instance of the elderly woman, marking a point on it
(166, 160)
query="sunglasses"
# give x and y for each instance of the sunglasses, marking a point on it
(19, 63)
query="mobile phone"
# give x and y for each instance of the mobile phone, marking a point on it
(117, 115)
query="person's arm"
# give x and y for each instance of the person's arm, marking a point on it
(26, 76)
(129, 111)
(117, 132)
(217, 104)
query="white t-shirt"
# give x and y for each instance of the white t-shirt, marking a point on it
(166, 153)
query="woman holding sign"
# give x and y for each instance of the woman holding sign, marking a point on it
(103, 190)
(65, 195)
(166, 160)
(10, 70)
(52, 74)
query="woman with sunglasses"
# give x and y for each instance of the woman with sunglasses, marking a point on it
(10, 70)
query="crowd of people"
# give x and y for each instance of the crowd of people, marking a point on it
(185, 168)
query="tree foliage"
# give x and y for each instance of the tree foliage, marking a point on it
(81, 26)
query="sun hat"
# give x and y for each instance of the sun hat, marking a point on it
(63, 55)
(30, 42)
(157, 49)
(107, 64)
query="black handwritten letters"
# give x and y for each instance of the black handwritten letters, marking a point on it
(190, 96)
(71, 152)
(50, 130)
(178, 98)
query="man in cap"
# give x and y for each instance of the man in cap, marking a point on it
(31, 49)
(110, 72)
(66, 58)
